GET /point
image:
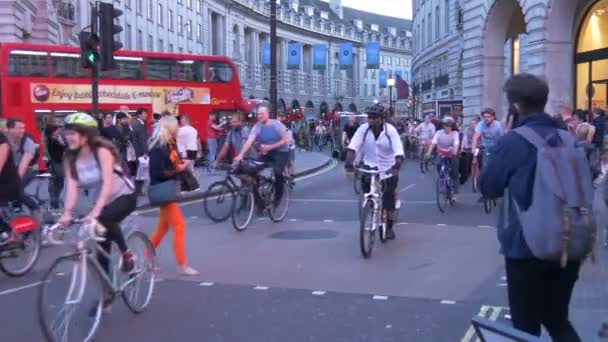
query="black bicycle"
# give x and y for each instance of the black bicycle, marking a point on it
(444, 187)
(220, 198)
(260, 176)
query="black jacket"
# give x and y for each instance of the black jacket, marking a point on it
(161, 167)
(54, 147)
(513, 166)
(140, 138)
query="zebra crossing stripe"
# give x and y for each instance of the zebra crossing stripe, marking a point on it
(490, 312)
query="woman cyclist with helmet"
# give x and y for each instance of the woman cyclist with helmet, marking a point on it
(447, 141)
(92, 164)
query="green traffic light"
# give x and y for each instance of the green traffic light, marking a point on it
(92, 58)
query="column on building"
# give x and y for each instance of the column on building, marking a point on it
(255, 56)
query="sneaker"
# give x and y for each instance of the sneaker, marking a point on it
(127, 262)
(188, 271)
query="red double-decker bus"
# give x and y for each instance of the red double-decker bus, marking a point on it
(40, 81)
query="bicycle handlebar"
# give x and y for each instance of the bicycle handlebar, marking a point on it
(90, 230)
(372, 172)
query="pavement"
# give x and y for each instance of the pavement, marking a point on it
(304, 279)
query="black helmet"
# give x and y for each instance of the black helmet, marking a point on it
(376, 110)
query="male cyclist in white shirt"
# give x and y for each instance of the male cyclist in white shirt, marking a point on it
(380, 148)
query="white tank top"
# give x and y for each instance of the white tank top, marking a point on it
(89, 178)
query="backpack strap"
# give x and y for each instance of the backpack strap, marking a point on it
(531, 136)
(116, 170)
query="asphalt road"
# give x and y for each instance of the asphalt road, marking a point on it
(304, 279)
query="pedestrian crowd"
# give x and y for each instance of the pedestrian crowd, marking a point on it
(543, 167)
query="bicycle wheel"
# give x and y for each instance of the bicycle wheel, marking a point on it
(243, 210)
(382, 228)
(21, 255)
(487, 205)
(441, 193)
(70, 300)
(278, 213)
(219, 201)
(366, 231)
(357, 183)
(138, 287)
(475, 177)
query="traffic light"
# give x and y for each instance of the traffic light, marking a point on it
(88, 49)
(107, 29)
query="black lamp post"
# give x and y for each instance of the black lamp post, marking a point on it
(390, 83)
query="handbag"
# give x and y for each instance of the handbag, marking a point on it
(163, 193)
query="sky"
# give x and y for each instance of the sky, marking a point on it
(393, 8)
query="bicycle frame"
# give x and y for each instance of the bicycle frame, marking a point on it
(374, 196)
(85, 255)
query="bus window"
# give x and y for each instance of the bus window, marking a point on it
(127, 68)
(67, 65)
(28, 63)
(192, 71)
(219, 72)
(160, 69)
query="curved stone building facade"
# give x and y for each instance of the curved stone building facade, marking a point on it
(564, 41)
(239, 29)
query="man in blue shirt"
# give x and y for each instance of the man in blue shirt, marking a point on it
(273, 140)
(488, 130)
(539, 290)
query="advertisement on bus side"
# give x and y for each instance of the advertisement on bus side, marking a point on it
(161, 98)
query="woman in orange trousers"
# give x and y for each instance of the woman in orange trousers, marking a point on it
(165, 165)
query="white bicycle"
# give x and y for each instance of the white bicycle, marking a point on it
(76, 287)
(372, 216)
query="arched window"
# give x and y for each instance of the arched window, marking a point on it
(592, 58)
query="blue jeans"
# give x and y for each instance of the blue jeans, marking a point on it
(212, 147)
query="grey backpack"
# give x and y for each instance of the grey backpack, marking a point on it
(559, 224)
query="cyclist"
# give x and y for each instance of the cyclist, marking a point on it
(273, 140)
(381, 148)
(488, 131)
(92, 163)
(235, 140)
(466, 143)
(10, 185)
(447, 141)
(425, 132)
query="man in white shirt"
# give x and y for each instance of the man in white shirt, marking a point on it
(380, 147)
(187, 140)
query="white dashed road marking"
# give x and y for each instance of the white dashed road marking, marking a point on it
(448, 302)
(318, 293)
(261, 288)
(206, 284)
(380, 297)
(502, 284)
(20, 288)
(441, 225)
(328, 221)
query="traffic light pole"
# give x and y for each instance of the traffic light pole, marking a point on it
(273, 58)
(95, 90)
(95, 69)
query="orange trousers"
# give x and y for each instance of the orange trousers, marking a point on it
(170, 215)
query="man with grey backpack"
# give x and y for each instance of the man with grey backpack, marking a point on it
(545, 225)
